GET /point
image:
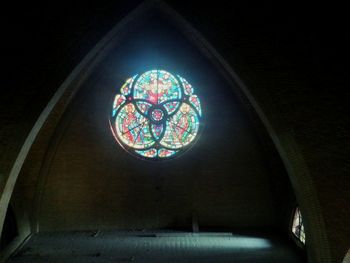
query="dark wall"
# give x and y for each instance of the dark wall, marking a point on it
(292, 57)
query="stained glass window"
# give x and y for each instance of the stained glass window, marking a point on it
(298, 226)
(156, 115)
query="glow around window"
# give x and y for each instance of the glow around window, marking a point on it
(156, 114)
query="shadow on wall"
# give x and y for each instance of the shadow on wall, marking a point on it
(10, 231)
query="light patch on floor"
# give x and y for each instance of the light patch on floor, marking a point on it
(112, 246)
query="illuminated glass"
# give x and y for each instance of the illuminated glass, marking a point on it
(156, 115)
(298, 226)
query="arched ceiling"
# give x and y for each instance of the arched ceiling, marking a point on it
(291, 60)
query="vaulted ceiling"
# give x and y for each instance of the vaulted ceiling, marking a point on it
(290, 59)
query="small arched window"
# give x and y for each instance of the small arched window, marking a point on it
(156, 115)
(298, 226)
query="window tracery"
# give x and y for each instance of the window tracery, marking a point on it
(156, 114)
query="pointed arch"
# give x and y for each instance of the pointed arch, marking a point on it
(282, 138)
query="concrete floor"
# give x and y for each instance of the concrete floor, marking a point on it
(111, 246)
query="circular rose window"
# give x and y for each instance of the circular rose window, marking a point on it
(156, 115)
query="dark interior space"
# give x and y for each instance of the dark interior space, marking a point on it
(273, 135)
(10, 229)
